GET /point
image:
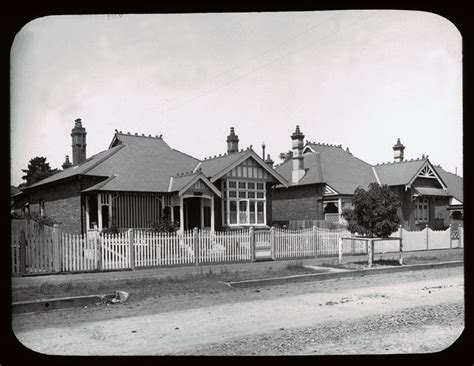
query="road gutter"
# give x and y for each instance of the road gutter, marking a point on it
(341, 274)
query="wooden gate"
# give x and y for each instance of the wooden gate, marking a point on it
(263, 244)
(34, 248)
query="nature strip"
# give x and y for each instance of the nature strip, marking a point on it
(332, 275)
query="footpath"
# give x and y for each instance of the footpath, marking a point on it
(179, 272)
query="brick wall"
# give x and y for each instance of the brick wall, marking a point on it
(438, 206)
(62, 202)
(297, 203)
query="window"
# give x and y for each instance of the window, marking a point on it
(244, 202)
(422, 209)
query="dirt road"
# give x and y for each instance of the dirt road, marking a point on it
(183, 330)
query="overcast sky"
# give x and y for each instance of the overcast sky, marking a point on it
(357, 78)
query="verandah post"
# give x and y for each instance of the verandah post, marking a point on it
(196, 245)
(56, 249)
(131, 241)
(252, 243)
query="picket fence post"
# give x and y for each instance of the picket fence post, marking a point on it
(272, 243)
(400, 230)
(315, 242)
(196, 245)
(22, 252)
(252, 244)
(371, 252)
(98, 246)
(450, 236)
(427, 238)
(340, 251)
(131, 243)
(56, 249)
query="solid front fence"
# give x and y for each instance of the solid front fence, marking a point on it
(39, 249)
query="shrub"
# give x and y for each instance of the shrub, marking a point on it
(164, 226)
(35, 216)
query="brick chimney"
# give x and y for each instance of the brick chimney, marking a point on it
(78, 134)
(269, 161)
(67, 163)
(398, 150)
(298, 160)
(232, 142)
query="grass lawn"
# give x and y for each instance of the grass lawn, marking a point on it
(408, 258)
(142, 288)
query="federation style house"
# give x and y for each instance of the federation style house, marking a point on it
(139, 180)
(322, 179)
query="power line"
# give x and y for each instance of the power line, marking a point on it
(238, 66)
(267, 64)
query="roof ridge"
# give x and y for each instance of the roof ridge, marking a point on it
(160, 137)
(186, 174)
(225, 154)
(185, 154)
(100, 161)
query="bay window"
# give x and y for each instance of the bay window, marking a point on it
(244, 202)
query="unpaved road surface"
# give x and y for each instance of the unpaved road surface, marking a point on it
(235, 322)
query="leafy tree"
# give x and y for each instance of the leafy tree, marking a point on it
(38, 169)
(374, 213)
(286, 155)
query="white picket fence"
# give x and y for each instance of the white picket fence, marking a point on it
(48, 250)
(295, 243)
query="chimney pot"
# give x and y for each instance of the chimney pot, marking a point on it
(78, 135)
(232, 142)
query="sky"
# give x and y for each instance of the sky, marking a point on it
(360, 78)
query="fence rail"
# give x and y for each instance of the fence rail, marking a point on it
(39, 249)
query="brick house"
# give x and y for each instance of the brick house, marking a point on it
(322, 179)
(140, 179)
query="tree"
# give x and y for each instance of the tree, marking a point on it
(374, 213)
(286, 156)
(38, 169)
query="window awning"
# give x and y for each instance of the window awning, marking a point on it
(429, 191)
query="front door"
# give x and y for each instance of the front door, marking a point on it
(192, 213)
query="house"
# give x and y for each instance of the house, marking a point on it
(140, 180)
(322, 179)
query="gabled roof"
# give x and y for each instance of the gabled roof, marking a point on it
(216, 167)
(145, 164)
(405, 172)
(454, 183)
(332, 165)
(83, 169)
(181, 183)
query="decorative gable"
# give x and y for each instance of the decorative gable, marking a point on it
(328, 191)
(427, 172)
(249, 168)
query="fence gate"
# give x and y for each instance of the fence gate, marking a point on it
(263, 244)
(33, 248)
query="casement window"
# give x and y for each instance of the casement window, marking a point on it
(244, 202)
(422, 209)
